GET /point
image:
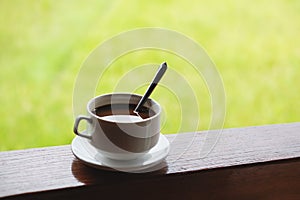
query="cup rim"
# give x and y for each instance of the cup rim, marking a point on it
(121, 122)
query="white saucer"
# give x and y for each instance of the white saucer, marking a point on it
(89, 155)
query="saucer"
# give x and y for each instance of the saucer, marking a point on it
(89, 155)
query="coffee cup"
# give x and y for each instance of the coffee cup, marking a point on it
(115, 130)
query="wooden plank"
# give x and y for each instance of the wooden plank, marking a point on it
(238, 166)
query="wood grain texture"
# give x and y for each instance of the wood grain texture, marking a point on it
(239, 166)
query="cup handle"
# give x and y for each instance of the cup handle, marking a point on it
(77, 121)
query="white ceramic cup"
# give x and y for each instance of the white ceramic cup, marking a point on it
(121, 135)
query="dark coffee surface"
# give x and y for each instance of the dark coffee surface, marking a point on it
(122, 109)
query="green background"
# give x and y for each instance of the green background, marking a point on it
(255, 46)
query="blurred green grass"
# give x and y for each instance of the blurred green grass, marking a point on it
(254, 44)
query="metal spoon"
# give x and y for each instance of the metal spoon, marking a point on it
(160, 72)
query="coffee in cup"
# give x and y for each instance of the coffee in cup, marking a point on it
(115, 130)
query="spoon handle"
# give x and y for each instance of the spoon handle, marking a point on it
(160, 72)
